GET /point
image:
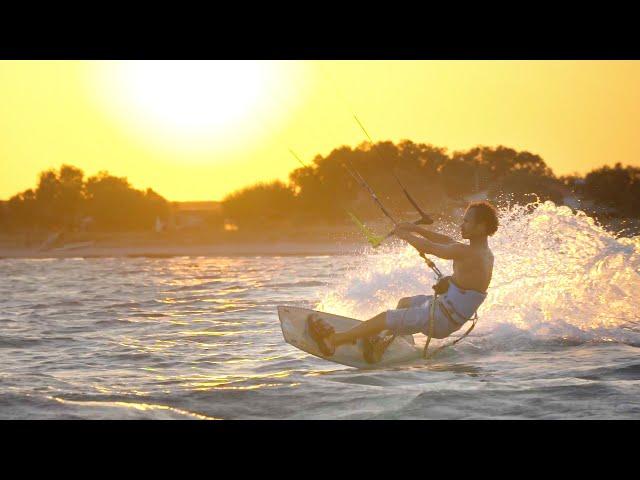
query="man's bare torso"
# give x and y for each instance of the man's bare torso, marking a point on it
(474, 271)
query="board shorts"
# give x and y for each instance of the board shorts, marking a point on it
(415, 319)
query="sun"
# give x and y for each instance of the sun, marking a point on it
(191, 104)
(194, 98)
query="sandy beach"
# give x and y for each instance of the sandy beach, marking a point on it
(147, 244)
(232, 249)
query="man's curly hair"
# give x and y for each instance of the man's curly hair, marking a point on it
(487, 214)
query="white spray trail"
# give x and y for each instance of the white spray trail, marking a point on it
(558, 276)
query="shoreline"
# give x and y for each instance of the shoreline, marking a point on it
(316, 240)
(167, 251)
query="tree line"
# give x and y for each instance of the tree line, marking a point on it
(64, 199)
(324, 189)
(617, 187)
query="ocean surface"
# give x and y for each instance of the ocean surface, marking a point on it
(199, 337)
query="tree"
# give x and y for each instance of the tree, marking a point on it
(259, 203)
(115, 205)
(521, 186)
(458, 176)
(21, 211)
(617, 187)
(59, 196)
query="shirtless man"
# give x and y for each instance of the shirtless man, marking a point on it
(465, 289)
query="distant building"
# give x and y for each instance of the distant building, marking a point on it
(86, 223)
(572, 201)
(193, 214)
(160, 226)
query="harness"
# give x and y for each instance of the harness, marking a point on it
(432, 310)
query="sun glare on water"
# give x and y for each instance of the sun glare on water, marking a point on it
(193, 105)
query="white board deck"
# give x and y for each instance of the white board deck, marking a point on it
(293, 321)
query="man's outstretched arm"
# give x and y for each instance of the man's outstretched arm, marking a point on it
(433, 236)
(449, 251)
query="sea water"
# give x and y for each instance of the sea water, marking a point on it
(199, 337)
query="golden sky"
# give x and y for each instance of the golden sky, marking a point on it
(199, 130)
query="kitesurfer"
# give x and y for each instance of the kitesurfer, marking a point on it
(458, 296)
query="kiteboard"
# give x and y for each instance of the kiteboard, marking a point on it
(293, 321)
